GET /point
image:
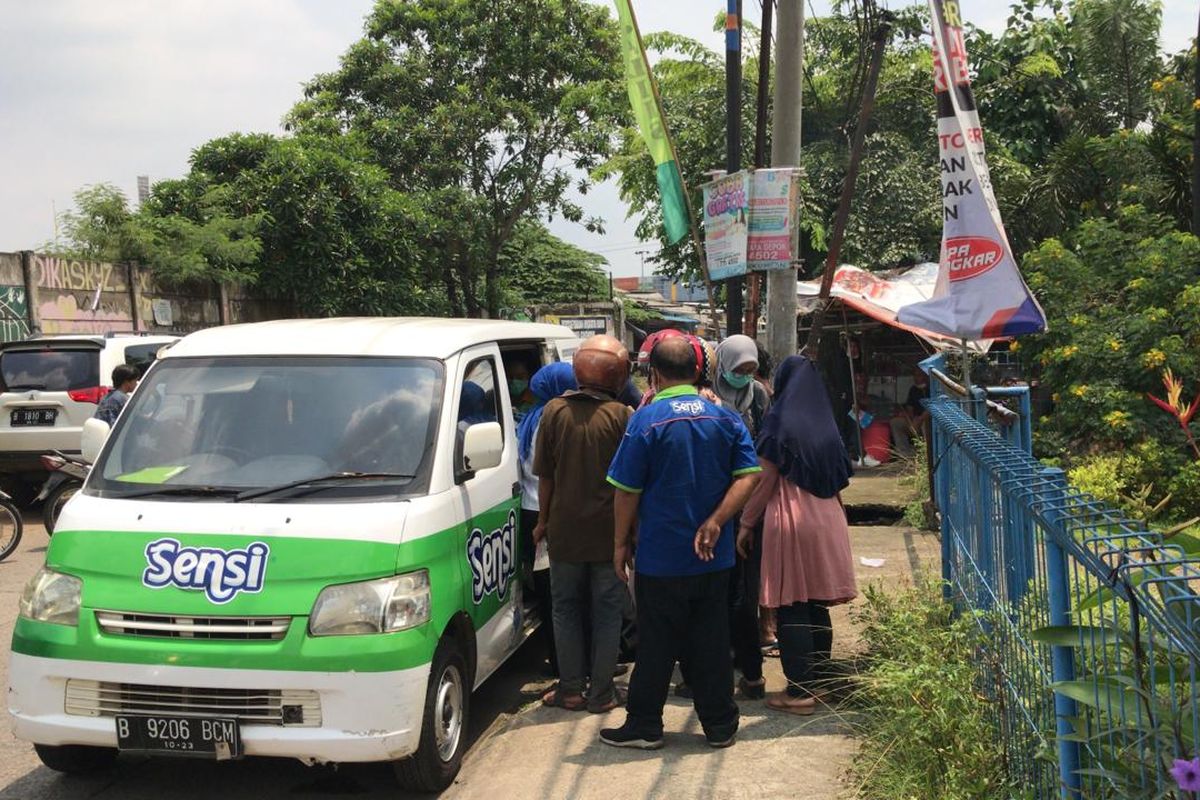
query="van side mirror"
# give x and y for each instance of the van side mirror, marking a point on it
(95, 432)
(482, 446)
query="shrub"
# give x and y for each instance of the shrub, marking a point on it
(926, 731)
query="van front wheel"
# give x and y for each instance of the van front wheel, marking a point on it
(76, 759)
(444, 725)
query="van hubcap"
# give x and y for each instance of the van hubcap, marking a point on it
(449, 712)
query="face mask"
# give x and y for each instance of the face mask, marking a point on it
(517, 387)
(736, 380)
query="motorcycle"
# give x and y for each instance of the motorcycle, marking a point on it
(10, 526)
(67, 474)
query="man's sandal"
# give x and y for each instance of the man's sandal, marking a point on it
(802, 707)
(556, 698)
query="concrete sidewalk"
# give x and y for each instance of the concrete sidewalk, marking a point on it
(550, 753)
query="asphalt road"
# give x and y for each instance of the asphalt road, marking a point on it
(136, 778)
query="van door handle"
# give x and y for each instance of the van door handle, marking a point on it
(516, 489)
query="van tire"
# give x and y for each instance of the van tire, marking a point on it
(76, 759)
(447, 702)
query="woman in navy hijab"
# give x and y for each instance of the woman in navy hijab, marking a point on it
(806, 560)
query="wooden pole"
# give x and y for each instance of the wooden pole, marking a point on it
(840, 219)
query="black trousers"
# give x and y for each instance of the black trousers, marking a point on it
(683, 619)
(805, 635)
(743, 614)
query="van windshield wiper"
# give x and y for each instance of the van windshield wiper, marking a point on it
(317, 482)
(25, 387)
(195, 491)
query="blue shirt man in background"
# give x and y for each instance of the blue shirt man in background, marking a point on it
(683, 471)
(124, 381)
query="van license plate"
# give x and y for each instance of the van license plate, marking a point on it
(202, 737)
(33, 416)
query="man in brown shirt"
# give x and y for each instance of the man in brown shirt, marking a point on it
(578, 435)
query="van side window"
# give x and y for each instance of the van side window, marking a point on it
(521, 362)
(477, 401)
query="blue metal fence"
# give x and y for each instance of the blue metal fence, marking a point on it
(1091, 622)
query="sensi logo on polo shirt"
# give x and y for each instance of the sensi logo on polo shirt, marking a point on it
(692, 407)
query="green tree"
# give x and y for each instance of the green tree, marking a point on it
(1123, 300)
(896, 214)
(541, 269)
(336, 238)
(1117, 42)
(488, 107)
(214, 245)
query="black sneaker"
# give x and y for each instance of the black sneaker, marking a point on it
(719, 743)
(626, 737)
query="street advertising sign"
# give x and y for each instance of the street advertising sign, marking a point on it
(774, 203)
(726, 225)
(979, 293)
(583, 326)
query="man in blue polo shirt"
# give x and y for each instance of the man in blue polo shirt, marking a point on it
(684, 469)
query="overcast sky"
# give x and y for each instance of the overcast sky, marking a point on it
(104, 91)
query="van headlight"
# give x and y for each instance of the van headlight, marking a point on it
(51, 597)
(379, 606)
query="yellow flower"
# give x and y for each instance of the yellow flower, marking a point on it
(1069, 351)
(1054, 397)
(1196, 104)
(1117, 419)
(1154, 358)
(1078, 319)
(1080, 390)
(1114, 345)
(1169, 79)
(1157, 86)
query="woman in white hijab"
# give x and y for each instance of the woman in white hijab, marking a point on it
(737, 361)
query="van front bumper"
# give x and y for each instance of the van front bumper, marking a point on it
(365, 716)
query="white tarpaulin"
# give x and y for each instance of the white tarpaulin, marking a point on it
(881, 296)
(979, 291)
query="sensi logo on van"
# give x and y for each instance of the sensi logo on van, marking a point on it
(493, 558)
(221, 574)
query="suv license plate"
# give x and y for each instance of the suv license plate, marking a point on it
(202, 737)
(33, 416)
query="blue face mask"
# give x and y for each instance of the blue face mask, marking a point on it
(737, 380)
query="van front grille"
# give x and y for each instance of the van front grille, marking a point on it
(181, 627)
(286, 707)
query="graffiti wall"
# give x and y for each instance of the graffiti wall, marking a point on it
(73, 296)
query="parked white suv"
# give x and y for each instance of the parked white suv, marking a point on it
(51, 385)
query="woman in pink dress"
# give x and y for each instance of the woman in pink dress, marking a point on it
(806, 561)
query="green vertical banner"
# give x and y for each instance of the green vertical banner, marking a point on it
(648, 112)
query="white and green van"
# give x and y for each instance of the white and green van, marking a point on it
(300, 539)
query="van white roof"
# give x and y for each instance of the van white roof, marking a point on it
(430, 337)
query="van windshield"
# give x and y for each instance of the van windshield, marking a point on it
(242, 423)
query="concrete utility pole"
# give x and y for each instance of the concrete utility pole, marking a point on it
(785, 152)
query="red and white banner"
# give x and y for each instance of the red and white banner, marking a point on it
(979, 292)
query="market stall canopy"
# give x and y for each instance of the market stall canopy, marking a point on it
(881, 296)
